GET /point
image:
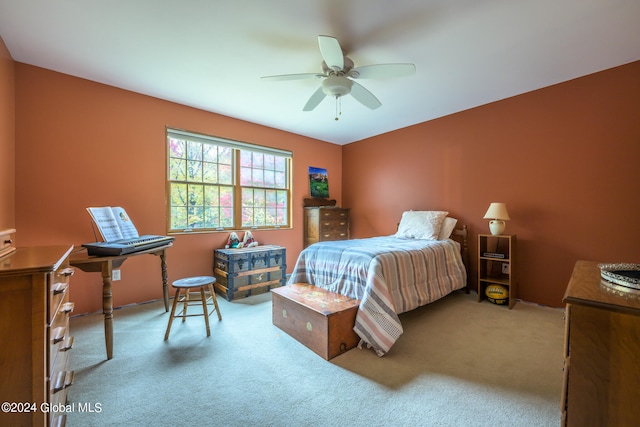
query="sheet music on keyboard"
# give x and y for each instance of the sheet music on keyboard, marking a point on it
(113, 223)
(119, 234)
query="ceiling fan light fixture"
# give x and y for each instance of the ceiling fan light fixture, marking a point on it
(336, 86)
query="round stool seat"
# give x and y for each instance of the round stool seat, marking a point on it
(185, 287)
(194, 282)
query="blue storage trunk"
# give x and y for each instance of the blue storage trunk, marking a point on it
(243, 272)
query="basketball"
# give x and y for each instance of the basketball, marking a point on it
(497, 294)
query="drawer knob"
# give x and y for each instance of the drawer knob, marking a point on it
(59, 288)
(63, 380)
(68, 344)
(67, 307)
(67, 272)
(58, 334)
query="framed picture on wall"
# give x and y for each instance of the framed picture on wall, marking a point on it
(318, 182)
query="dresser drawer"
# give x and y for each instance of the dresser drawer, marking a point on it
(334, 213)
(334, 225)
(333, 234)
(58, 287)
(60, 340)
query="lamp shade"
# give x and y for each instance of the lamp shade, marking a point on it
(497, 211)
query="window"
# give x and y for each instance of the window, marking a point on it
(219, 184)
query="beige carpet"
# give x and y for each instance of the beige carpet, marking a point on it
(458, 363)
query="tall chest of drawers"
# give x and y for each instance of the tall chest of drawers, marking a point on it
(325, 223)
(34, 329)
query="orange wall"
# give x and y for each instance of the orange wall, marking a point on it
(80, 144)
(564, 159)
(7, 139)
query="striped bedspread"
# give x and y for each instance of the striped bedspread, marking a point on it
(388, 275)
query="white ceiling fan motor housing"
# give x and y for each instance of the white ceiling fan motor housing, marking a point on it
(336, 86)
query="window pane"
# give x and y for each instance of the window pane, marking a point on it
(247, 217)
(281, 164)
(194, 171)
(269, 178)
(210, 172)
(270, 218)
(281, 180)
(225, 155)
(196, 217)
(226, 197)
(211, 196)
(178, 194)
(245, 158)
(226, 217)
(177, 169)
(269, 161)
(258, 160)
(210, 153)
(225, 174)
(271, 199)
(212, 217)
(245, 176)
(194, 150)
(177, 148)
(178, 217)
(258, 177)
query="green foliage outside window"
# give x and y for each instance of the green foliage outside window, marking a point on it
(217, 187)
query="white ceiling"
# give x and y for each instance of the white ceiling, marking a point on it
(210, 54)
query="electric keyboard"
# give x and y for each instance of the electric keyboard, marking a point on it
(126, 246)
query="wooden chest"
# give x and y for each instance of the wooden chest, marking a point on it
(243, 272)
(319, 319)
(325, 223)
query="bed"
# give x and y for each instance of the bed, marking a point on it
(389, 275)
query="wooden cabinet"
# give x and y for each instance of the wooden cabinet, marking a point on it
(601, 384)
(325, 223)
(34, 329)
(249, 271)
(496, 257)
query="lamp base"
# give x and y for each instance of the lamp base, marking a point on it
(497, 226)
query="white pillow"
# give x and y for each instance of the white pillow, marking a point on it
(447, 228)
(421, 224)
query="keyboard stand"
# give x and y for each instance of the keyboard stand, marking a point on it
(106, 265)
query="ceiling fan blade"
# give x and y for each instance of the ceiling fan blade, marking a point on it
(293, 77)
(364, 97)
(315, 99)
(331, 52)
(381, 71)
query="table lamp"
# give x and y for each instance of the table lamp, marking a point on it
(498, 214)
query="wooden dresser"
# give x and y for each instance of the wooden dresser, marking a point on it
(325, 223)
(34, 320)
(602, 351)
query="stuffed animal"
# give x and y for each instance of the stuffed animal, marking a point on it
(248, 241)
(233, 241)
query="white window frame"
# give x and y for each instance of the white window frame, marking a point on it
(198, 215)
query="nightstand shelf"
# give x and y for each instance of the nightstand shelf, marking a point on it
(496, 256)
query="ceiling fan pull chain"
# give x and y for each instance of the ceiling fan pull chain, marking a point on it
(338, 100)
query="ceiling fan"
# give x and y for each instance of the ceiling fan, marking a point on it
(338, 74)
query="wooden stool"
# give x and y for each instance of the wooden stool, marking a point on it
(187, 285)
